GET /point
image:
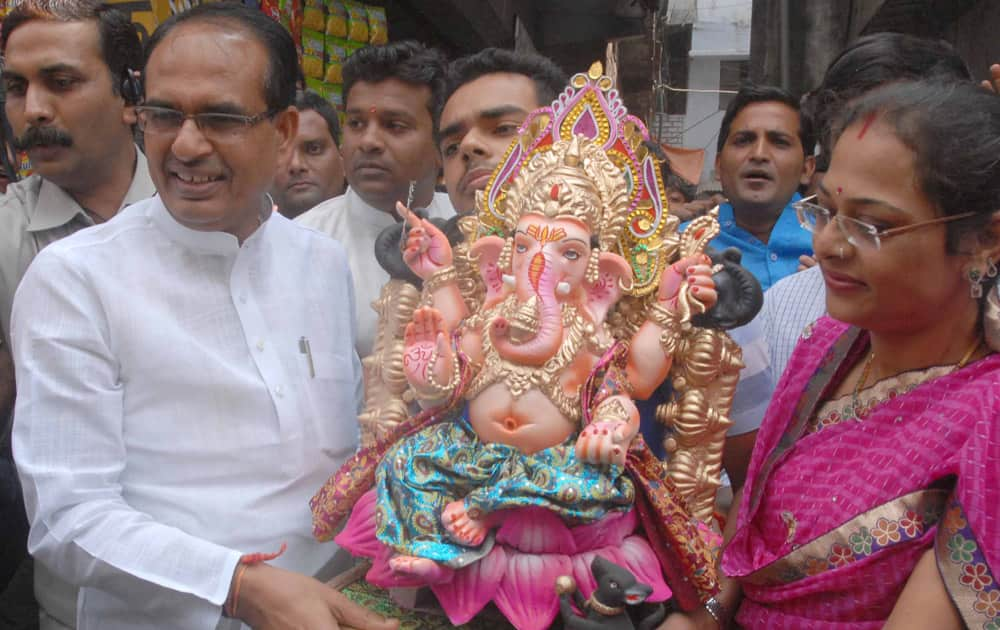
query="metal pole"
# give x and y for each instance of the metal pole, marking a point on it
(786, 48)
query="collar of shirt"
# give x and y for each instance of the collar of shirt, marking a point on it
(786, 222)
(203, 241)
(360, 210)
(56, 208)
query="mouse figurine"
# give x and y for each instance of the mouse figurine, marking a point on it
(617, 592)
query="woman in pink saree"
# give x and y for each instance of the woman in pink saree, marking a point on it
(873, 494)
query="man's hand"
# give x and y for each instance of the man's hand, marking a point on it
(275, 599)
(806, 262)
(993, 83)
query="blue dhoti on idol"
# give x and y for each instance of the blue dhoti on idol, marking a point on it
(447, 461)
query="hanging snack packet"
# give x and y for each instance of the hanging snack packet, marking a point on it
(314, 15)
(335, 94)
(357, 22)
(313, 46)
(272, 9)
(336, 18)
(336, 55)
(378, 26)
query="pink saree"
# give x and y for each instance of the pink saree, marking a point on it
(835, 517)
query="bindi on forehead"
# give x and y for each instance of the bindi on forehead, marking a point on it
(869, 120)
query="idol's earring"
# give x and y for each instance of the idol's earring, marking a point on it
(592, 274)
(975, 283)
(991, 268)
(504, 261)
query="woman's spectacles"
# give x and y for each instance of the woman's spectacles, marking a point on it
(814, 217)
(215, 126)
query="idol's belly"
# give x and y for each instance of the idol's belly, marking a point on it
(529, 422)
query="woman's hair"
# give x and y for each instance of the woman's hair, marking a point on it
(875, 60)
(953, 130)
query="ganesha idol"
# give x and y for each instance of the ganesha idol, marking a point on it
(525, 460)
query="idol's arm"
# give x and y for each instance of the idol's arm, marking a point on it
(652, 349)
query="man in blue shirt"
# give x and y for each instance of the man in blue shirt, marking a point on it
(764, 153)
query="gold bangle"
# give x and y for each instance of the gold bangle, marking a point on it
(435, 390)
(440, 278)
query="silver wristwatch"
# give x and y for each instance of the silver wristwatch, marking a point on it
(717, 610)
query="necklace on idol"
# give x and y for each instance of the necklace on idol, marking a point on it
(866, 372)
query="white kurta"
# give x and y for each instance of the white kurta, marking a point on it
(167, 420)
(356, 225)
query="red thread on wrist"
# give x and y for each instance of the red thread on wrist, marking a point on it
(246, 560)
(234, 600)
(257, 558)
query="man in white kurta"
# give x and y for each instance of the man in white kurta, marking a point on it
(390, 96)
(186, 372)
(168, 420)
(356, 224)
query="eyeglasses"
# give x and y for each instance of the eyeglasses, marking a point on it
(813, 218)
(215, 126)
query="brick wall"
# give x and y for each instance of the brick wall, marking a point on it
(668, 128)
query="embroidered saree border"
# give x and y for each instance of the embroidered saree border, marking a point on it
(901, 520)
(842, 409)
(965, 572)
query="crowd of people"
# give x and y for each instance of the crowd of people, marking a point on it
(182, 339)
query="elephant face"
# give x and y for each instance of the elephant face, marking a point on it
(548, 268)
(740, 295)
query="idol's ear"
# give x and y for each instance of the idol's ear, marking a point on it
(613, 273)
(486, 252)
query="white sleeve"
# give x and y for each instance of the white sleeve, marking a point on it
(756, 384)
(70, 453)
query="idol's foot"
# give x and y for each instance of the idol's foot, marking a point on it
(422, 568)
(465, 529)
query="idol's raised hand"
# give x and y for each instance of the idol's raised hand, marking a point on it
(425, 247)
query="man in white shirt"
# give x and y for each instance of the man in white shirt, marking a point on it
(69, 103)
(390, 93)
(193, 380)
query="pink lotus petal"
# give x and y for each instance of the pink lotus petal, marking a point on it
(472, 587)
(535, 530)
(527, 594)
(638, 557)
(358, 535)
(610, 530)
(585, 581)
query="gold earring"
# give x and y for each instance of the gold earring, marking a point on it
(505, 254)
(593, 272)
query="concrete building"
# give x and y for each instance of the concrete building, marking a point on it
(793, 41)
(718, 61)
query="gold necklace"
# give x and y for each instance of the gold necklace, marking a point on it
(861, 385)
(866, 372)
